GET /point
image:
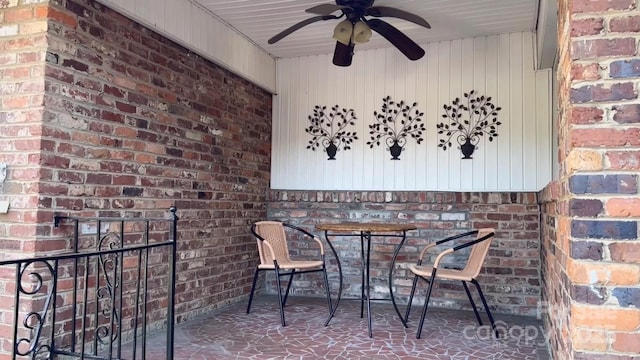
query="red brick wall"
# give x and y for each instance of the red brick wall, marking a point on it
(590, 267)
(105, 117)
(510, 278)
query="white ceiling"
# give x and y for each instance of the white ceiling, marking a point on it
(259, 20)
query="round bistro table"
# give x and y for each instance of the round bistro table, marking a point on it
(367, 231)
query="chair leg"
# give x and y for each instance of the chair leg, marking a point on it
(426, 303)
(253, 287)
(473, 304)
(413, 291)
(326, 286)
(486, 307)
(280, 303)
(286, 295)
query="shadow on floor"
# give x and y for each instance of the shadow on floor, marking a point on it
(231, 333)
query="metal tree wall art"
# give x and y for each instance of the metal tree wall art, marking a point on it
(329, 129)
(469, 120)
(394, 123)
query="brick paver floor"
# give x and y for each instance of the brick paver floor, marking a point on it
(231, 333)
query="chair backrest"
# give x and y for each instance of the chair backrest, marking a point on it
(479, 252)
(274, 233)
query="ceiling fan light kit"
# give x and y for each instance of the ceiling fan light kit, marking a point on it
(361, 33)
(347, 33)
(342, 32)
(357, 28)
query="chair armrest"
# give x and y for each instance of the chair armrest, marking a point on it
(473, 232)
(460, 247)
(424, 251)
(440, 256)
(450, 238)
(299, 229)
(317, 239)
(270, 248)
(473, 242)
(305, 232)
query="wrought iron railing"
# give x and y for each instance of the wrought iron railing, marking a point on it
(99, 300)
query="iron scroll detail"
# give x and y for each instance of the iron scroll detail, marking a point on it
(106, 294)
(34, 321)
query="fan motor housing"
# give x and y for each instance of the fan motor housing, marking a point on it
(359, 7)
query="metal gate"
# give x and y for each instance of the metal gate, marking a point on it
(99, 300)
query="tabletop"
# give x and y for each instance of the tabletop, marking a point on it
(364, 226)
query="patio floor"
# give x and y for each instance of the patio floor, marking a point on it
(231, 333)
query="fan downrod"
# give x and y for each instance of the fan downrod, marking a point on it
(359, 7)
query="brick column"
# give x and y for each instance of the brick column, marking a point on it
(23, 46)
(595, 291)
(23, 43)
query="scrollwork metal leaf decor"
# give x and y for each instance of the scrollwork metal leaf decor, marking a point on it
(394, 123)
(329, 129)
(468, 120)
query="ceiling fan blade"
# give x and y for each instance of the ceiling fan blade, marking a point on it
(299, 25)
(326, 9)
(386, 11)
(343, 54)
(401, 41)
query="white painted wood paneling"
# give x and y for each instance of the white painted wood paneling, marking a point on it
(262, 19)
(500, 66)
(503, 99)
(191, 25)
(516, 109)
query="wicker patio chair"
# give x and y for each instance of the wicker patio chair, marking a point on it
(272, 240)
(468, 273)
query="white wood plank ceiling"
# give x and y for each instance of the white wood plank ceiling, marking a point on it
(259, 20)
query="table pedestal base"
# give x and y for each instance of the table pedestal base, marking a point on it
(365, 294)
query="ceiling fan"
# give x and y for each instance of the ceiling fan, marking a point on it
(357, 27)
